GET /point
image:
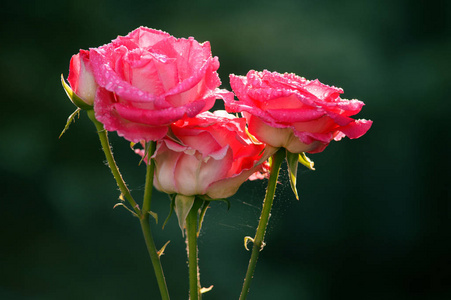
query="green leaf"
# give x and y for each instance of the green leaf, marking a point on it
(183, 205)
(303, 159)
(70, 120)
(77, 101)
(292, 161)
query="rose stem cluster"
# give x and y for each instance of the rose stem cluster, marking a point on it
(155, 90)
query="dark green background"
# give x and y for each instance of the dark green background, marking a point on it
(373, 221)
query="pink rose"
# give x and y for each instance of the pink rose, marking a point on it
(149, 79)
(210, 154)
(285, 110)
(81, 77)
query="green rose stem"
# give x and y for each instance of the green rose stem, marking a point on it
(258, 243)
(145, 224)
(142, 215)
(103, 136)
(191, 235)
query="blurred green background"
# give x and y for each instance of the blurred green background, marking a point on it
(373, 221)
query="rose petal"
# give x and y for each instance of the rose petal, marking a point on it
(106, 113)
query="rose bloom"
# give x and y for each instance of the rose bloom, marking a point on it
(211, 155)
(149, 79)
(285, 110)
(81, 77)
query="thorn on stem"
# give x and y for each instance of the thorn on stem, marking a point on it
(204, 290)
(247, 239)
(263, 246)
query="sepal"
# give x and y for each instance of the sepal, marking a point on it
(70, 119)
(183, 205)
(303, 159)
(77, 101)
(203, 210)
(292, 162)
(206, 198)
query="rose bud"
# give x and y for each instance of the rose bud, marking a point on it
(81, 78)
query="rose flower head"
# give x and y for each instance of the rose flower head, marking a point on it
(150, 79)
(285, 110)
